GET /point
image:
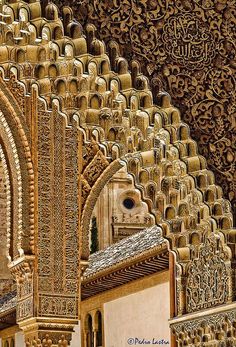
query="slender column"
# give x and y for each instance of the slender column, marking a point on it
(94, 337)
(85, 337)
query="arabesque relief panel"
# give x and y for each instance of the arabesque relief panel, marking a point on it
(188, 49)
(88, 118)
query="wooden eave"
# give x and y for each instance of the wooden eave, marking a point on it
(8, 318)
(144, 264)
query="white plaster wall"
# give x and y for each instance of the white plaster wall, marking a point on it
(138, 317)
(76, 337)
(19, 339)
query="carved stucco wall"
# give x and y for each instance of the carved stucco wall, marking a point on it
(80, 123)
(188, 49)
(114, 220)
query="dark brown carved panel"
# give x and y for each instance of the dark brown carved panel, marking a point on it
(187, 48)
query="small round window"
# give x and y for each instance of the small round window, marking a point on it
(129, 203)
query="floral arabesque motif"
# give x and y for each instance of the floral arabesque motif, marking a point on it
(188, 49)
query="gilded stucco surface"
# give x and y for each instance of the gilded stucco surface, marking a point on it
(73, 116)
(188, 49)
